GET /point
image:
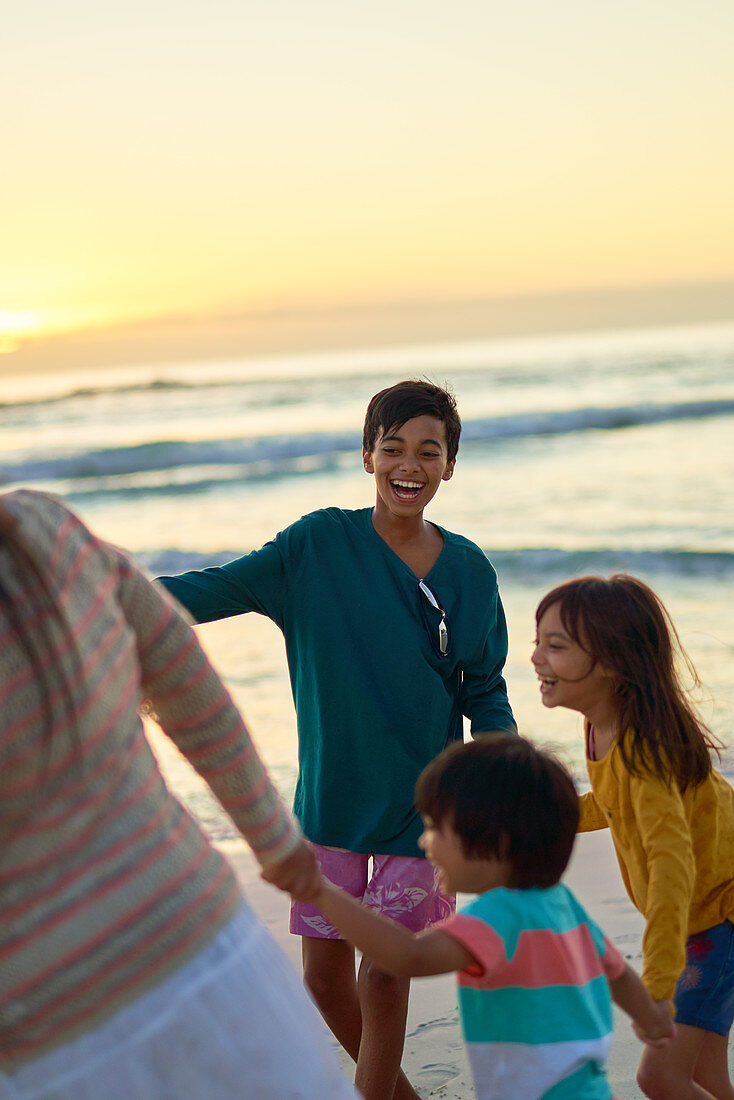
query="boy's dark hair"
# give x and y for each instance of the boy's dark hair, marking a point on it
(624, 626)
(391, 408)
(504, 799)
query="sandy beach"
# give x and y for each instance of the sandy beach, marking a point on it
(434, 1058)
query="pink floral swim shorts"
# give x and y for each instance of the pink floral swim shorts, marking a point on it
(402, 887)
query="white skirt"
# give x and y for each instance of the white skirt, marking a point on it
(234, 1022)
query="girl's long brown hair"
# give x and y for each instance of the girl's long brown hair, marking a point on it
(622, 624)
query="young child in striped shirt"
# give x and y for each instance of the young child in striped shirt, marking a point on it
(534, 971)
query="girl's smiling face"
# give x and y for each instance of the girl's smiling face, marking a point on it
(569, 676)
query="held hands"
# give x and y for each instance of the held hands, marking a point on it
(298, 874)
(661, 1031)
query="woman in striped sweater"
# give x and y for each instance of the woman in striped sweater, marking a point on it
(130, 966)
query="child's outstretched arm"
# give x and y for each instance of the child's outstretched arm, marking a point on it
(393, 948)
(592, 816)
(651, 1020)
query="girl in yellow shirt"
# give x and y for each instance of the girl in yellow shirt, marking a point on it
(608, 649)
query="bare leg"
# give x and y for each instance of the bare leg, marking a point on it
(329, 974)
(667, 1073)
(712, 1066)
(384, 1002)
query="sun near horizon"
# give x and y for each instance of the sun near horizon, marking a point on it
(257, 175)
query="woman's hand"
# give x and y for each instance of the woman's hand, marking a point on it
(299, 874)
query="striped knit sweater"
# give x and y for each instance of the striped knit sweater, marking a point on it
(107, 885)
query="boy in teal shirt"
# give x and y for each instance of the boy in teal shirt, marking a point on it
(394, 629)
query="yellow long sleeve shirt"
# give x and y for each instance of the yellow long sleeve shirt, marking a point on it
(676, 855)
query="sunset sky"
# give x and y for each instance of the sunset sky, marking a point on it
(215, 159)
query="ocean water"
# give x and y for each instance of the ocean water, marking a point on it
(580, 453)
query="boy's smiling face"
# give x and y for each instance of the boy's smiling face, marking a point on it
(457, 872)
(409, 463)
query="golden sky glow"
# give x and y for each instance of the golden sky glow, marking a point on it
(166, 158)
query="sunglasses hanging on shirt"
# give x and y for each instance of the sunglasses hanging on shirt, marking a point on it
(437, 631)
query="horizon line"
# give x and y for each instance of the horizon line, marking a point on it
(292, 327)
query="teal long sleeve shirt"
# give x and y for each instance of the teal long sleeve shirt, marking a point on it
(375, 700)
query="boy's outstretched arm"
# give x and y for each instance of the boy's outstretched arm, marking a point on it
(651, 1020)
(391, 947)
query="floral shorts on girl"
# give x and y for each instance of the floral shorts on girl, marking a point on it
(402, 887)
(704, 996)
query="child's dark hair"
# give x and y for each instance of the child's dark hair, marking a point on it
(391, 408)
(623, 626)
(505, 799)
